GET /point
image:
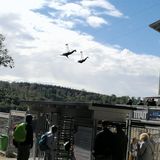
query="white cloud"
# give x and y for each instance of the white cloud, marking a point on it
(84, 10)
(95, 21)
(36, 41)
(103, 4)
(72, 9)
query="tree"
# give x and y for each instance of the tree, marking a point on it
(5, 59)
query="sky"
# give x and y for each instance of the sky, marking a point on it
(123, 50)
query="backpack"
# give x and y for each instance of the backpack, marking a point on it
(67, 145)
(19, 134)
(43, 142)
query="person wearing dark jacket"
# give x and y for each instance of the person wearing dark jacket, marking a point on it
(23, 148)
(103, 145)
(120, 144)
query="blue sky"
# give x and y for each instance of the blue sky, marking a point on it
(123, 50)
(134, 33)
(129, 30)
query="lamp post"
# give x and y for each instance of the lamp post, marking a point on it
(156, 26)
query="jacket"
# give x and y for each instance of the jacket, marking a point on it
(29, 137)
(146, 151)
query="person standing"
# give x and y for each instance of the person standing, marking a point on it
(146, 150)
(23, 148)
(134, 149)
(51, 143)
(120, 143)
(103, 144)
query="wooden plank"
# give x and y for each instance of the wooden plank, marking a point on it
(4, 115)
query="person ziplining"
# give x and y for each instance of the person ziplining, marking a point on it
(82, 59)
(68, 51)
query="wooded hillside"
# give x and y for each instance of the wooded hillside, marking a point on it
(12, 93)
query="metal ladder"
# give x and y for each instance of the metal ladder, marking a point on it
(65, 133)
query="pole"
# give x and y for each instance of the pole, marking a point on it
(8, 151)
(159, 91)
(128, 121)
